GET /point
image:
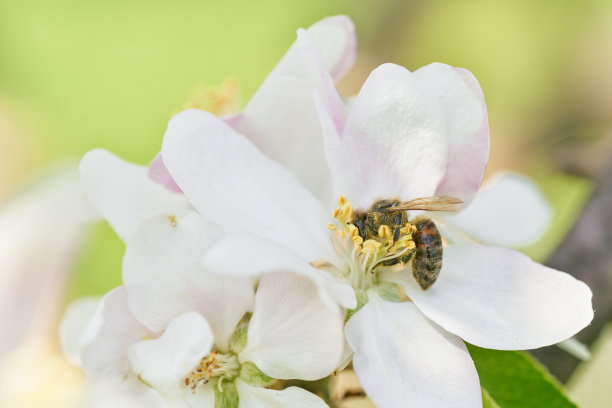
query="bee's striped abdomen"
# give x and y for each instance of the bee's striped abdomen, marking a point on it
(427, 260)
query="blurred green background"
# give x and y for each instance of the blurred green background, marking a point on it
(76, 75)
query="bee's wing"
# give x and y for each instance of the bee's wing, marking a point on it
(438, 203)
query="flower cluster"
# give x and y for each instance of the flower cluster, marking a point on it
(309, 232)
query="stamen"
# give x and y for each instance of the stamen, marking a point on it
(371, 246)
(347, 211)
(384, 232)
(172, 219)
(331, 227)
(215, 365)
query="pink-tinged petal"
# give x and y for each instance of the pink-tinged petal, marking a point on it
(467, 128)
(292, 397)
(335, 40)
(294, 332)
(232, 183)
(74, 322)
(500, 299)
(334, 101)
(159, 173)
(112, 330)
(403, 359)
(393, 144)
(259, 255)
(164, 362)
(280, 118)
(164, 276)
(123, 193)
(509, 211)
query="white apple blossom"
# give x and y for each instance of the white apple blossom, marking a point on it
(295, 330)
(194, 360)
(407, 135)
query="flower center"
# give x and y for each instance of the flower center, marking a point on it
(367, 253)
(221, 100)
(215, 366)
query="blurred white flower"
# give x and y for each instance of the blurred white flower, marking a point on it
(41, 232)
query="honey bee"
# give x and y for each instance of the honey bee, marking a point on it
(427, 261)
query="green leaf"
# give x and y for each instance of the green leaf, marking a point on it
(487, 401)
(514, 379)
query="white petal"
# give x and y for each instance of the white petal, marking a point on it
(394, 142)
(498, 298)
(510, 211)
(202, 397)
(403, 359)
(292, 397)
(460, 97)
(112, 330)
(294, 332)
(77, 317)
(576, 348)
(336, 43)
(124, 394)
(280, 118)
(232, 183)
(165, 278)
(123, 193)
(164, 362)
(259, 255)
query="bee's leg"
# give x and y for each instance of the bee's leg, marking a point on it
(358, 222)
(398, 226)
(406, 258)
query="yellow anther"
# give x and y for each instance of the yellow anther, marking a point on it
(384, 231)
(413, 228)
(407, 229)
(331, 227)
(337, 212)
(404, 242)
(347, 211)
(172, 219)
(371, 246)
(353, 230)
(342, 200)
(357, 240)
